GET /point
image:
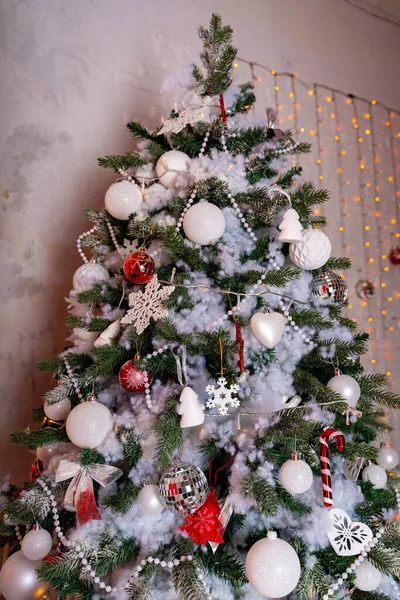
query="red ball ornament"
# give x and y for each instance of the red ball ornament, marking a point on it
(139, 267)
(131, 378)
(394, 256)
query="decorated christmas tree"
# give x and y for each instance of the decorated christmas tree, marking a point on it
(211, 433)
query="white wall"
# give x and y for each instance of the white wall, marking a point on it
(72, 73)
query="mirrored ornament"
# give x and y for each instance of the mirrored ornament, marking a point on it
(352, 469)
(170, 165)
(348, 538)
(268, 327)
(88, 275)
(368, 577)
(296, 475)
(88, 424)
(388, 458)
(19, 580)
(58, 411)
(365, 288)
(376, 475)
(328, 285)
(312, 251)
(204, 223)
(183, 488)
(123, 199)
(149, 500)
(346, 386)
(36, 543)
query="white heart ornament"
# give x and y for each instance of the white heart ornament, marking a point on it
(268, 327)
(348, 538)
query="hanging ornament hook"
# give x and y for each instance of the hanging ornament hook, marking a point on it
(277, 189)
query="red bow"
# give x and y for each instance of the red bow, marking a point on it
(204, 525)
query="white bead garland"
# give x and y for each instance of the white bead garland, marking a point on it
(114, 240)
(73, 380)
(79, 246)
(293, 324)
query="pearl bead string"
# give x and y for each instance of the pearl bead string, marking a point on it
(293, 324)
(79, 245)
(114, 240)
(73, 380)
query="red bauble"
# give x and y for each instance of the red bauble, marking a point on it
(205, 525)
(139, 267)
(131, 378)
(394, 256)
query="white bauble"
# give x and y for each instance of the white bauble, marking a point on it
(88, 275)
(388, 458)
(347, 387)
(109, 334)
(88, 424)
(376, 475)
(296, 476)
(123, 199)
(204, 223)
(272, 567)
(368, 577)
(18, 578)
(149, 500)
(59, 411)
(169, 165)
(268, 327)
(36, 544)
(312, 251)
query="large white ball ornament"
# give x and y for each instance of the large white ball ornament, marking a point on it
(204, 223)
(272, 567)
(376, 475)
(88, 424)
(123, 199)
(347, 387)
(58, 411)
(149, 500)
(312, 251)
(368, 577)
(388, 458)
(296, 476)
(88, 275)
(18, 578)
(169, 166)
(36, 544)
(268, 327)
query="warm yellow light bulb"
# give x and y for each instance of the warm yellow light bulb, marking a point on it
(384, 256)
(367, 244)
(362, 166)
(344, 152)
(388, 373)
(377, 214)
(370, 319)
(328, 99)
(341, 228)
(360, 139)
(348, 101)
(310, 92)
(302, 129)
(317, 211)
(386, 268)
(383, 284)
(368, 184)
(337, 138)
(291, 95)
(276, 88)
(321, 177)
(371, 260)
(393, 221)
(366, 228)
(367, 131)
(390, 299)
(373, 361)
(391, 328)
(373, 102)
(312, 132)
(319, 161)
(339, 170)
(235, 65)
(383, 312)
(377, 198)
(391, 178)
(387, 123)
(273, 72)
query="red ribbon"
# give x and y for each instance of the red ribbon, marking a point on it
(222, 107)
(327, 435)
(240, 341)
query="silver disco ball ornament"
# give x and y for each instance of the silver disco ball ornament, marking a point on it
(328, 284)
(365, 288)
(183, 488)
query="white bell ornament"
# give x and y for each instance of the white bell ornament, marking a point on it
(19, 580)
(346, 386)
(268, 327)
(291, 230)
(88, 275)
(58, 411)
(109, 334)
(36, 543)
(296, 475)
(388, 458)
(88, 424)
(368, 577)
(190, 408)
(312, 251)
(273, 567)
(204, 223)
(123, 199)
(170, 164)
(376, 475)
(149, 500)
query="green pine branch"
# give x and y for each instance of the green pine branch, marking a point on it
(297, 507)
(108, 360)
(117, 163)
(224, 565)
(132, 446)
(168, 433)
(39, 438)
(185, 576)
(263, 493)
(123, 499)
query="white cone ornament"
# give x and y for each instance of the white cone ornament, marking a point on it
(273, 567)
(368, 577)
(36, 544)
(88, 424)
(312, 251)
(291, 230)
(149, 500)
(88, 275)
(58, 411)
(388, 458)
(169, 166)
(268, 327)
(19, 580)
(204, 223)
(85, 335)
(190, 408)
(376, 475)
(346, 386)
(123, 199)
(295, 475)
(109, 334)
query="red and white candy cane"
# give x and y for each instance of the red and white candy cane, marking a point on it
(327, 435)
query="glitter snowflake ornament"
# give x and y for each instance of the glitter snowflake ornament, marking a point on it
(147, 305)
(222, 396)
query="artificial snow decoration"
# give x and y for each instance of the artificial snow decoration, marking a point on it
(37, 543)
(109, 334)
(222, 396)
(290, 229)
(19, 580)
(368, 577)
(352, 469)
(58, 411)
(376, 475)
(346, 386)
(169, 166)
(88, 424)
(149, 500)
(291, 402)
(295, 475)
(183, 488)
(88, 275)
(147, 305)
(347, 537)
(312, 251)
(185, 117)
(190, 408)
(123, 199)
(268, 327)
(204, 223)
(388, 458)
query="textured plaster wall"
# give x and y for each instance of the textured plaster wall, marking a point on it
(72, 73)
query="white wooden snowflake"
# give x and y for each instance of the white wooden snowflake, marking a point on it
(147, 305)
(222, 396)
(185, 117)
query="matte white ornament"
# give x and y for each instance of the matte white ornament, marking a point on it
(268, 327)
(368, 577)
(291, 230)
(169, 165)
(190, 408)
(109, 334)
(59, 411)
(296, 476)
(348, 538)
(36, 544)
(204, 223)
(376, 475)
(149, 500)
(88, 424)
(388, 458)
(85, 335)
(123, 199)
(272, 567)
(18, 578)
(347, 387)
(312, 251)
(88, 275)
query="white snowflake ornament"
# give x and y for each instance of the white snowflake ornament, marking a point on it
(222, 396)
(348, 538)
(147, 305)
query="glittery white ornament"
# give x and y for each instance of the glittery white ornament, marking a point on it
(268, 327)
(58, 411)
(88, 275)
(36, 544)
(149, 500)
(190, 408)
(123, 199)
(204, 223)
(347, 387)
(272, 567)
(368, 577)
(19, 580)
(88, 424)
(312, 251)
(109, 334)
(169, 166)
(388, 458)
(376, 475)
(296, 476)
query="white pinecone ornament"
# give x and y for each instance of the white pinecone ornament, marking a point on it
(312, 251)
